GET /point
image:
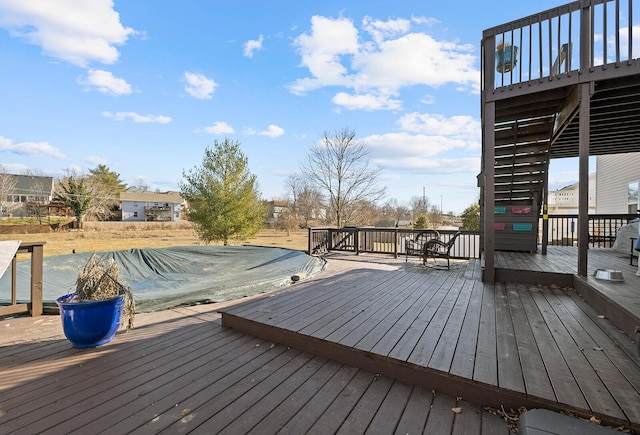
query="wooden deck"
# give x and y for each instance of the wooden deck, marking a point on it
(505, 344)
(619, 301)
(180, 371)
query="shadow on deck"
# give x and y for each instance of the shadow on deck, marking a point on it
(506, 344)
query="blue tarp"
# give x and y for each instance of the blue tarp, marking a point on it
(167, 277)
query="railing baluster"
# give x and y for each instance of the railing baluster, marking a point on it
(570, 46)
(604, 36)
(630, 32)
(530, 47)
(592, 12)
(540, 48)
(618, 32)
(550, 54)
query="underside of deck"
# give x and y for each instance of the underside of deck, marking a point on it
(502, 344)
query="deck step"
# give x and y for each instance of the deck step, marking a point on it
(545, 422)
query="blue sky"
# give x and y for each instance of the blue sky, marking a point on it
(144, 86)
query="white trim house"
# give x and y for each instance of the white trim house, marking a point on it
(618, 180)
(151, 206)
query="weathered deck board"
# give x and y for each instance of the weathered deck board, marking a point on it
(560, 374)
(465, 352)
(589, 382)
(507, 340)
(509, 364)
(486, 363)
(183, 372)
(536, 380)
(188, 374)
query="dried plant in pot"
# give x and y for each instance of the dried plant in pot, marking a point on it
(101, 303)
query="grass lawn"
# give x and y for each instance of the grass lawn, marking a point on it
(130, 237)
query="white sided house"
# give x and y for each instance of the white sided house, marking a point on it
(151, 206)
(618, 183)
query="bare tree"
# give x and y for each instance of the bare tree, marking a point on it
(435, 217)
(287, 220)
(395, 211)
(339, 167)
(306, 199)
(420, 206)
(7, 187)
(40, 189)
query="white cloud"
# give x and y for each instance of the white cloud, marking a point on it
(199, 86)
(272, 131)
(398, 145)
(321, 52)
(219, 127)
(366, 101)
(253, 45)
(379, 61)
(97, 160)
(37, 149)
(431, 165)
(456, 126)
(14, 168)
(79, 32)
(135, 117)
(381, 30)
(105, 82)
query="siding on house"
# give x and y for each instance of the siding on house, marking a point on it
(614, 173)
(149, 206)
(566, 200)
(28, 188)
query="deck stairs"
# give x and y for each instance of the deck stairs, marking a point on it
(524, 129)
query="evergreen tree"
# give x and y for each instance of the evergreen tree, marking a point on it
(107, 186)
(75, 193)
(222, 197)
(108, 179)
(471, 218)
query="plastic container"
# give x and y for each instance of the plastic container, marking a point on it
(90, 323)
(506, 58)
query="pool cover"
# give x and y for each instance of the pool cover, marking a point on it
(168, 277)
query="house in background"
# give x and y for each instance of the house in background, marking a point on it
(151, 206)
(24, 192)
(277, 209)
(618, 180)
(565, 200)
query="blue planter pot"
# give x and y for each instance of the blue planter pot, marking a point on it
(90, 323)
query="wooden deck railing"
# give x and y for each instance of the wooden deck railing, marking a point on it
(562, 231)
(35, 306)
(603, 229)
(589, 36)
(385, 241)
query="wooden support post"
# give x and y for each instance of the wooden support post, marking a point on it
(488, 125)
(584, 137)
(488, 164)
(36, 279)
(583, 178)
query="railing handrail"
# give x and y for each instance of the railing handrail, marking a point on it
(580, 35)
(603, 232)
(35, 306)
(384, 240)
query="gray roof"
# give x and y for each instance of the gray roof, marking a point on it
(33, 185)
(166, 197)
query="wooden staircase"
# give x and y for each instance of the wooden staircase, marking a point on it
(524, 133)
